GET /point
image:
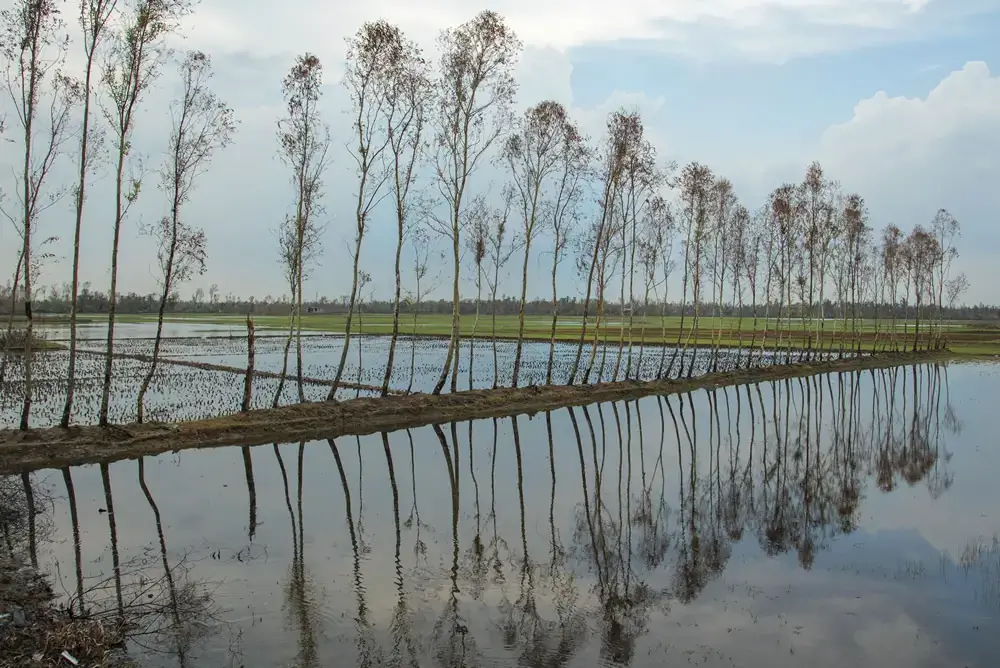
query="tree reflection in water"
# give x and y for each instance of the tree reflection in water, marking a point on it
(625, 513)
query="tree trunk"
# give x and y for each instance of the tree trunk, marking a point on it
(159, 330)
(284, 358)
(113, 293)
(555, 315)
(331, 395)
(298, 330)
(520, 316)
(456, 322)
(395, 312)
(475, 323)
(248, 379)
(10, 317)
(74, 295)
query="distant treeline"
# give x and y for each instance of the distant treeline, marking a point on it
(57, 301)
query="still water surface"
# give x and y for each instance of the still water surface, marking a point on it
(840, 519)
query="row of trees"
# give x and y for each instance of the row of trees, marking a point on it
(123, 43)
(631, 224)
(605, 206)
(53, 302)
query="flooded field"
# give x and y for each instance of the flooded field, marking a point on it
(184, 393)
(830, 520)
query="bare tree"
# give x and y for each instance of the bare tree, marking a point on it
(695, 184)
(533, 153)
(922, 256)
(739, 226)
(656, 225)
(639, 180)
(827, 237)
(752, 241)
(298, 249)
(370, 56)
(947, 230)
(247, 397)
(785, 220)
(661, 218)
(94, 18)
(892, 238)
(421, 267)
(136, 54)
(474, 93)
(201, 125)
(561, 214)
(33, 50)
(181, 251)
(304, 143)
(594, 244)
(479, 214)
(500, 250)
(407, 90)
(955, 288)
(723, 203)
(856, 233)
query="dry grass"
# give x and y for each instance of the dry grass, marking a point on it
(48, 630)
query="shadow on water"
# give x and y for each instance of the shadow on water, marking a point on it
(830, 519)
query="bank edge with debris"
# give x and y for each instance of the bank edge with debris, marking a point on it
(57, 447)
(36, 632)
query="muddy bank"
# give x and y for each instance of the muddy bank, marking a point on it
(56, 447)
(35, 632)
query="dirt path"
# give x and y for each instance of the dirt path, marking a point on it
(56, 447)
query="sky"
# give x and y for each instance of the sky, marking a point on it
(898, 99)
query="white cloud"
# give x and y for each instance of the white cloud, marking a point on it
(764, 28)
(911, 156)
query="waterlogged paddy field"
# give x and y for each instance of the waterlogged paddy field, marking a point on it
(843, 519)
(185, 393)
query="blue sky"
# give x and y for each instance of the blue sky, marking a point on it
(899, 100)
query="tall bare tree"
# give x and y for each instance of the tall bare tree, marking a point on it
(664, 231)
(892, 260)
(136, 54)
(94, 18)
(304, 142)
(501, 246)
(922, 256)
(561, 215)
(695, 185)
(595, 242)
(473, 96)
(947, 230)
(201, 124)
(407, 91)
(479, 214)
(370, 56)
(639, 180)
(421, 267)
(533, 153)
(298, 251)
(32, 51)
(723, 205)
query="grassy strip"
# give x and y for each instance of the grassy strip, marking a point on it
(56, 447)
(969, 338)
